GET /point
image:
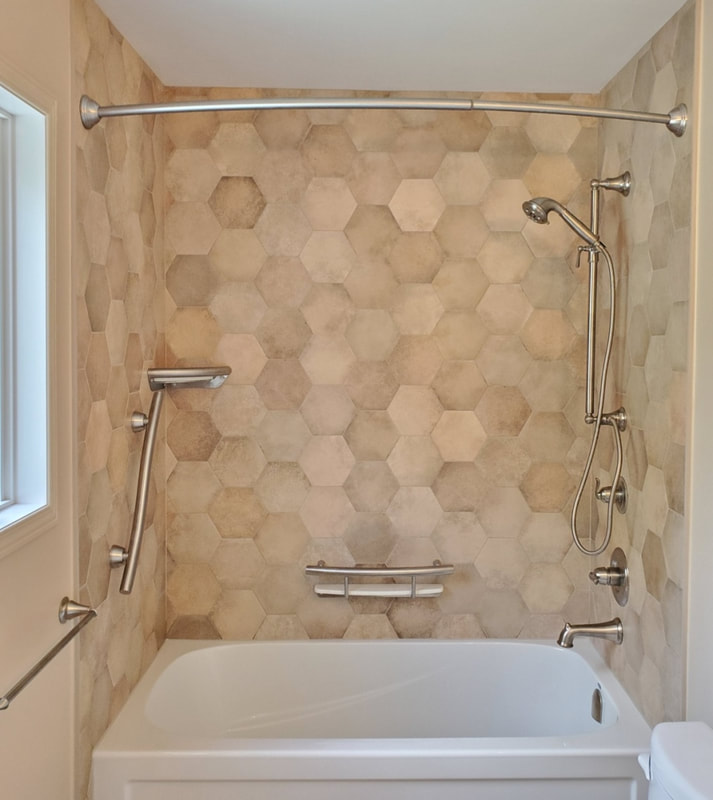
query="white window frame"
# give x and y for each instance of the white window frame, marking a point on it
(25, 505)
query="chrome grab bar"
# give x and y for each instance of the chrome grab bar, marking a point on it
(347, 589)
(68, 609)
(119, 555)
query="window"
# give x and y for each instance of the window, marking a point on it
(24, 484)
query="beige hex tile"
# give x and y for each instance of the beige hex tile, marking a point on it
(191, 228)
(459, 385)
(555, 240)
(99, 504)
(192, 538)
(237, 202)
(328, 203)
(192, 436)
(370, 626)
(654, 565)
(547, 435)
(324, 620)
(545, 588)
(372, 231)
(462, 178)
(462, 131)
(461, 231)
(373, 178)
(550, 134)
(192, 334)
(417, 359)
(283, 282)
(281, 627)
(95, 156)
(552, 175)
(459, 536)
(282, 176)
(505, 257)
(327, 410)
(547, 334)
(549, 283)
(416, 309)
(326, 511)
(372, 129)
(281, 588)
(658, 304)
(502, 563)
(237, 461)
(370, 537)
(97, 228)
(502, 205)
(415, 410)
(372, 335)
(460, 486)
(417, 205)
(417, 621)
(462, 591)
(326, 460)
(238, 308)
(547, 487)
(504, 460)
(191, 175)
(97, 297)
(282, 333)
(244, 355)
(674, 469)
(458, 626)
(414, 511)
(458, 436)
(503, 512)
(237, 255)
(371, 384)
(327, 359)
(98, 366)
(190, 281)
(546, 537)
(282, 383)
(192, 589)
(371, 485)
(237, 615)
(282, 128)
(283, 229)
(237, 563)
(328, 256)
(460, 283)
(328, 309)
(371, 435)
(548, 385)
(415, 257)
(415, 461)
(282, 486)
(460, 334)
(503, 360)
(282, 435)
(418, 152)
(98, 436)
(191, 130)
(328, 151)
(236, 148)
(371, 285)
(655, 503)
(504, 308)
(282, 538)
(503, 411)
(507, 151)
(236, 512)
(653, 633)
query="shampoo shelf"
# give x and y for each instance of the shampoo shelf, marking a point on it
(410, 590)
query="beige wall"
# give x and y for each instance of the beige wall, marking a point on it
(36, 732)
(118, 276)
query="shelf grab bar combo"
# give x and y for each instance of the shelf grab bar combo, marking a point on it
(159, 380)
(409, 590)
(68, 609)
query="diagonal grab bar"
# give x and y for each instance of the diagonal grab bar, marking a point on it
(119, 555)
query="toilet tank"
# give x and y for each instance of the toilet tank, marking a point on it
(681, 762)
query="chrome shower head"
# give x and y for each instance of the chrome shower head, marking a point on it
(538, 208)
(187, 377)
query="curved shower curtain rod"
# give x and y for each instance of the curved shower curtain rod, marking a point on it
(91, 112)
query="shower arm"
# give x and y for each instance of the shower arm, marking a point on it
(91, 112)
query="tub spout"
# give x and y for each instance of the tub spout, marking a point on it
(612, 630)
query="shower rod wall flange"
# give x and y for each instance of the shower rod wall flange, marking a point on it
(91, 112)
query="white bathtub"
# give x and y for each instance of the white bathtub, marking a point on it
(493, 720)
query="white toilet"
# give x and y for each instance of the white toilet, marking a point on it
(680, 766)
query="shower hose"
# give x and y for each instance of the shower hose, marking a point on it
(599, 420)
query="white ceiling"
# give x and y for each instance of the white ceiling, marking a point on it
(400, 45)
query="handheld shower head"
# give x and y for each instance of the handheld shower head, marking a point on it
(538, 209)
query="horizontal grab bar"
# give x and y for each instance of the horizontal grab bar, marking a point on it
(348, 589)
(378, 590)
(68, 609)
(380, 572)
